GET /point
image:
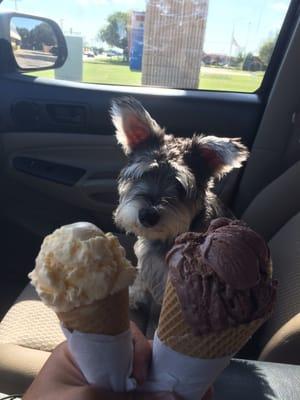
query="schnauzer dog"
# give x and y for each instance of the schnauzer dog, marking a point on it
(166, 188)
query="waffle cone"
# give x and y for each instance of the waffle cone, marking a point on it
(175, 333)
(109, 316)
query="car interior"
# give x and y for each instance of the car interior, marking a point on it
(60, 163)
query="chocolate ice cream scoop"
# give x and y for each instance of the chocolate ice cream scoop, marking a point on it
(223, 277)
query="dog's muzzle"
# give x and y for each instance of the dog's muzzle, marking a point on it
(148, 217)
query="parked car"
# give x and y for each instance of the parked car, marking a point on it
(113, 53)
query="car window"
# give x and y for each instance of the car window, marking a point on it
(188, 44)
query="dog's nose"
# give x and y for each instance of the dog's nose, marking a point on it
(148, 217)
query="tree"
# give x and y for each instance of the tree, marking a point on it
(252, 63)
(25, 37)
(240, 57)
(247, 62)
(266, 50)
(42, 35)
(116, 31)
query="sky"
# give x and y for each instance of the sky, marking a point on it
(251, 22)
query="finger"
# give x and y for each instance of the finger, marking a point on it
(141, 355)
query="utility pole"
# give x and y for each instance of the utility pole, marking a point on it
(231, 44)
(16, 4)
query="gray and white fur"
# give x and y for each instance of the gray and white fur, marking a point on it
(165, 189)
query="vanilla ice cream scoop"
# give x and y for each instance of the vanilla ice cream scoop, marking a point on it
(79, 264)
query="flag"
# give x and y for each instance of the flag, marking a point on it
(235, 43)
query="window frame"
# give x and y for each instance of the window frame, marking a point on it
(280, 48)
(265, 87)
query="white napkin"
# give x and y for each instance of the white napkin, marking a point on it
(189, 377)
(105, 361)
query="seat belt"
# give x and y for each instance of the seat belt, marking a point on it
(292, 151)
(226, 188)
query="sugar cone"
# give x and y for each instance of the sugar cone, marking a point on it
(109, 316)
(175, 333)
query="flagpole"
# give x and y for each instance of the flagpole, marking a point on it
(231, 44)
(248, 35)
(16, 4)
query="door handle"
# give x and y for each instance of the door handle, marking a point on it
(48, 170)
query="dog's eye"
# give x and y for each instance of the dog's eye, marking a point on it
(180, 189)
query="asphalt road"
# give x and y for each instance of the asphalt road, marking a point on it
(34, 59)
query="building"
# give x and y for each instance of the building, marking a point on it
(173, 42)
(15, 38)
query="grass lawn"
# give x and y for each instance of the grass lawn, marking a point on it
(115, 72)
(229, 80)
(110, 73)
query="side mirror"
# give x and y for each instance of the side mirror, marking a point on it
(37, 43)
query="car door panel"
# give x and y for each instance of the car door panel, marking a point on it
(94, 194)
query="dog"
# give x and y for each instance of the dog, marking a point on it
(165, 189)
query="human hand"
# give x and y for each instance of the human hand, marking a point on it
(142, 354)
(142, 362)
(61, 379)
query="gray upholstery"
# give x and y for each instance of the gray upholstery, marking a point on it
(249, 380)
(275, 213)
(278, 124)
(276, 204)
(285, 250)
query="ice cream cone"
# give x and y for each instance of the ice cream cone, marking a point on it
(108, 316)
(176, 334)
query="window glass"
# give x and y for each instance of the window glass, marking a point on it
(189, 44)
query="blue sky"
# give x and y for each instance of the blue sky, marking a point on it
(252, 21)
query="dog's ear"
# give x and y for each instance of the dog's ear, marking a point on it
(211, 156)
(135, 128)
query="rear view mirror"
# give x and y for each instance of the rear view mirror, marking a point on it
(37, 43)
(34, 43)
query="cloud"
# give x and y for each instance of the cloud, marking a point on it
(280, 6)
